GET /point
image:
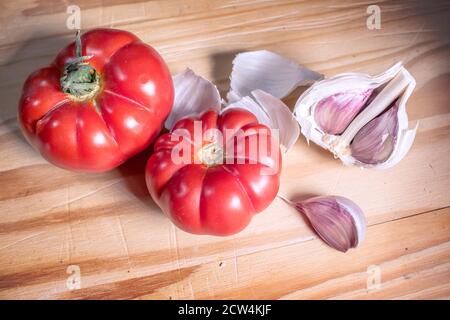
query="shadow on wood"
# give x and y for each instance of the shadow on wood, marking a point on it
(133, 174)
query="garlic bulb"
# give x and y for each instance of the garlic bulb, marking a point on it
(360, 118)
(337, 220)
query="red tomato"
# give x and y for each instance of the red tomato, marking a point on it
(221, 185)
(92, 114)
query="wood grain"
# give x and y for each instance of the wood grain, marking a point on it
(107, 224)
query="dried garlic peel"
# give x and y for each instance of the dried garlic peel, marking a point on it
(267, 71)
(258, 80)
(193, 95)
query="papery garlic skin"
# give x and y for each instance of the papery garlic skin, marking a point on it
(267, 71)
(193, 95)
(271, 112)
(375, 142)
(334, 113)
(337, 220)
(258, 81)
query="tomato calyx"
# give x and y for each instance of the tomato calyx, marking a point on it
(80, 80)
(211, 154)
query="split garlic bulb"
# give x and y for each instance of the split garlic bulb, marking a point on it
(360, 118)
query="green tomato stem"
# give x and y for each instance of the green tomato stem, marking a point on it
(80, 80)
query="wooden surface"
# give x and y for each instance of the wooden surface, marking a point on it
(107, 225)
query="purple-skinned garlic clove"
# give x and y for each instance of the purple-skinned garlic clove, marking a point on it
(375, 142)
(337, 220)
(334, 113)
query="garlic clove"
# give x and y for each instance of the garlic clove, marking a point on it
(337, 220)
(269, 72)
(400, 136)
(375, 142)
(273, 113)
(193, 95)
(405, 136)
(393, 89)
(404, 144)
(334, 114)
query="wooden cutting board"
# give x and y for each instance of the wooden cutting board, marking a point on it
(80, 236)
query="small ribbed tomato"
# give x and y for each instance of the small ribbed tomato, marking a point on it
(103, 99)
(223, 179)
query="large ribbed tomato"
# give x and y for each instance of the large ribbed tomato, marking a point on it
(94, 108)
(219, 186)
